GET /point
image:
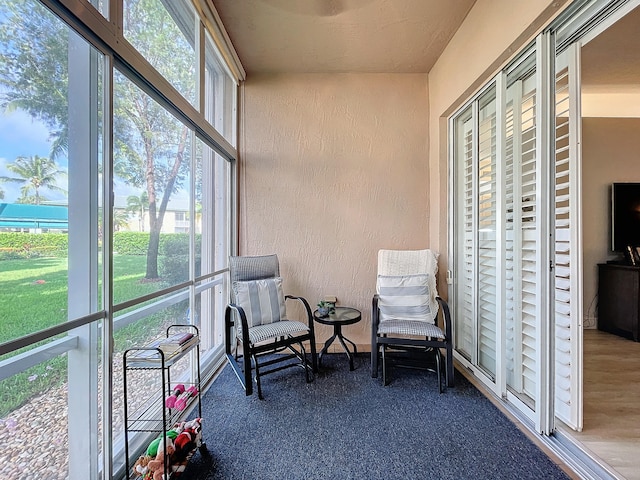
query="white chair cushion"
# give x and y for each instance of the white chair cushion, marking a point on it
(406, 297)
(407, 262)
(411, 262)
(261, 300)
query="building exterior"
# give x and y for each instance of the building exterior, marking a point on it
(23, 217)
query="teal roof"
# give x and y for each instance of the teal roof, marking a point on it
(18, 215)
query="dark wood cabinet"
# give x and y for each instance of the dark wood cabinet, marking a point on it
(619, 299)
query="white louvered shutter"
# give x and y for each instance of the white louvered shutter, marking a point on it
(567, 280)
(511, 225)
(507, 206)
(530, 224)
(465, 259)
(486, 233)
(522, 234)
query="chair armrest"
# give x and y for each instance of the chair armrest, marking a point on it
(307, 308)
(375, 320)
(375, 311)
(446, 315)
(231, 307)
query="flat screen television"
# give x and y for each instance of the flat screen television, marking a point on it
(625, 216)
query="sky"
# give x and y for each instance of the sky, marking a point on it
(21, 135)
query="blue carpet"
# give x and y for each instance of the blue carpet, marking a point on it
(346, 425)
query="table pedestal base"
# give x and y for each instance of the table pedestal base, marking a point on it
(337, 333)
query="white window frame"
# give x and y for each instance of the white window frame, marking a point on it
(84, 329)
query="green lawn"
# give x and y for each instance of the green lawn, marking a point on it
(28, 305)
(34, 297)
(34, 291)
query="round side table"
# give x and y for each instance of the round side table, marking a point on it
(342, 316)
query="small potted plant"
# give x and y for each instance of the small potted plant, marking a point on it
(325, 308)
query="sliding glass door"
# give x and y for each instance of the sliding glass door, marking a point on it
(499, 249)
(522, 225)
(567, 251)
(516, 219)
(476, 269)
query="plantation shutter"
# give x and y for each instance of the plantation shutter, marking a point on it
(513, 329)
(530, 269)
(465, 260)
(567, 257)
(486, 233)
(498, 252)
(521, 237)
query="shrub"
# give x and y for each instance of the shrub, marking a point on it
(174, 257)
(18, 245)
(131, 243)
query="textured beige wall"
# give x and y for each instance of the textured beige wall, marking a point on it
(332, 169)
(610, 149)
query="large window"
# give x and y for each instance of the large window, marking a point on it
(219, 94)
(163, 31)
(152, 177)
(115, 215)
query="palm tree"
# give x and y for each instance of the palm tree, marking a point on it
(137, 205)
(35, 173)
(120, 220)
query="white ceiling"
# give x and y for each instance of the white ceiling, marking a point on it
(335, 36)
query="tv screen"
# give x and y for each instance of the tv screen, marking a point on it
(625, 216)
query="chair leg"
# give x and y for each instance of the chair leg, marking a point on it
(374, 360)
(305, 365)
(257, 368)
(248, 382)
(439, 368)
(302, 357)
(314, 356)
(385, 377)
(237, 349)
(449, 363)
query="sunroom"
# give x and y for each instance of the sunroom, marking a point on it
(177, 133)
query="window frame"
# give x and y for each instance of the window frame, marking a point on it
(105, 35)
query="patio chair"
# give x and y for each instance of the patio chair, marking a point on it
(405, 315)
(257, 330)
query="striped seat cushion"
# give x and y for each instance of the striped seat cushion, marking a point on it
(406, 297)
(284, 328)
(262, 300)
(409, 327)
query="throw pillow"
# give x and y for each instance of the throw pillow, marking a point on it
(406, 297)
(261, 300)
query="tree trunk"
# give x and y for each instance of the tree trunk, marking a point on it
(152, 255)
(156, 215)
